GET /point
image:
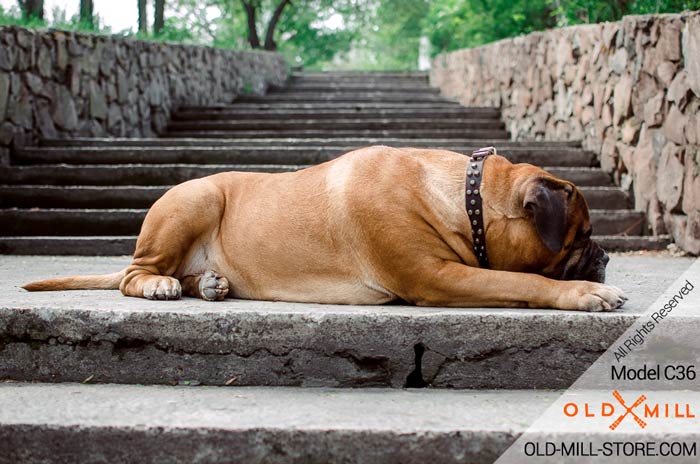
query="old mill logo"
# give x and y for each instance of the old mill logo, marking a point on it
(640, 410)
(628, 410)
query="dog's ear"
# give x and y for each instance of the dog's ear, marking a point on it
(547, 200)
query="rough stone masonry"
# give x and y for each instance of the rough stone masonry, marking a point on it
(630, 90)
(62, 84)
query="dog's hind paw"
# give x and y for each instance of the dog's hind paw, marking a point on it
(213, 286)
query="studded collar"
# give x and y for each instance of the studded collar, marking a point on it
(474, 205)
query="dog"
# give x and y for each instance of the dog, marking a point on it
(375, 225)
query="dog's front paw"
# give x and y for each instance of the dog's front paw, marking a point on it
(213, 286)
(591, 296)
(162, 288)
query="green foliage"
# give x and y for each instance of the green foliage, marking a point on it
(305, 37)
(61, 21)
(390, 37)
(365, 34)
(453, 24)
(303, 34)
(173, 32)
(13, 17)
(594, 11)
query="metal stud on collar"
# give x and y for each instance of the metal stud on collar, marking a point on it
(474, 201)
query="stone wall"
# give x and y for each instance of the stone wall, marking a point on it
(630, 90)
(60, 84)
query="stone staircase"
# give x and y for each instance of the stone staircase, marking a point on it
(88, 196)
(92, 376)
(83, 373)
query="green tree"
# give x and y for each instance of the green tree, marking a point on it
(87, 13)
(453, 24)
(313, 32)
(32, 9)
(159, 17)
(595, 11)
(143, 18)
(663, 6)
(399, 26)
(251, 8)
(253, 12)
(348, 34)
(298, 29)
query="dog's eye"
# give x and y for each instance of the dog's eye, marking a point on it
(585, 235)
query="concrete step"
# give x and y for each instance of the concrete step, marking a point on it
(137, 196)
(122, 221)
(333, 124)
(56, 245)
(336, 106)
(634, 243)
(124, 174)
(581, 176)
(398, 97)
(50, 196)
(618, 222)
(333, 114)
(611, 198)
(104, 336)
(170, 174)
(70, 336)
(358, 81)
(261, 155)
(288, 142)
(354, 87)
(125, 244)
(119, 423)
(335, 134)
(60, 221)
(333, 75)
(367, 81)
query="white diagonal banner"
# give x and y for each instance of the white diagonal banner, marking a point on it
(639, 402)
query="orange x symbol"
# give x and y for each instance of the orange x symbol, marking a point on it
(628, 410)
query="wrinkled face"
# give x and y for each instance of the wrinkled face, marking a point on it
(586, 260)
(561, 219)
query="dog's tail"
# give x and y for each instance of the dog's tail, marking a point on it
(96, 282)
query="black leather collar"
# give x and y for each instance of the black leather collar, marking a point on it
(475, 209)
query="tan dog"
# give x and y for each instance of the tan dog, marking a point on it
(375, 225)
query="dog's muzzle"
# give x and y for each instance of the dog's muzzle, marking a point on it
(589, 266)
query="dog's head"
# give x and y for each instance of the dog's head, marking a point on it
(560, 219)
(541, 224)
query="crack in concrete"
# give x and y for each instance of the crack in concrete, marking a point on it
(415, 378)
(494, 353)
(368, 363)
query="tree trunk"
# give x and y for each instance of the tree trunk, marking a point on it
(87, 12)
(251, 11)
(32, 8)
(143, 18)
(270, 35)
(159, 20)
